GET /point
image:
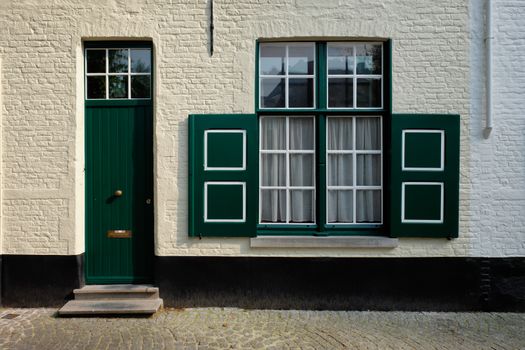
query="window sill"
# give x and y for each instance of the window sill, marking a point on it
(323, 242)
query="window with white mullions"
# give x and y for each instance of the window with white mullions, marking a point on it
(354, 170)
(287, 166)
(118, 73)
(355, 75)
(287, 75)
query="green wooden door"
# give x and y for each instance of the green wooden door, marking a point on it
(119, 163)
(119, 245)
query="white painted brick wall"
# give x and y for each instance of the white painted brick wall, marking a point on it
(497, 207)
(40, 45)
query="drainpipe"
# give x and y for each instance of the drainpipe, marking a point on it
(488, 45)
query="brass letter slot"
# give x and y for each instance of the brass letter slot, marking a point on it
(119, 234)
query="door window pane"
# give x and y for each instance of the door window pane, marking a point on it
(118, 86)
(96, 61)
(118, 61)
(96, 86)
(140, 60)
(272, 93)
(140, 86)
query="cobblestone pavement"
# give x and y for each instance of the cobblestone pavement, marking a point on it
(214, 328)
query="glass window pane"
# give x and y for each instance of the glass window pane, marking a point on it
(340, 170)
(302, 133)
(273, 206)
(118, 61)
(272, 93)
(368, 57)
(368, 133)
(340, 92)
(340, 134)
(301, 59)
(96, 87)
(273, 133)
(301, 169)
(368, 206)
(273, 170)
(340, 206)
(301, 93)
(140, 86)
(340, 59)
(96, 61)
(368, 169)
(140, 60)
(368, 92)
(272, 58)
(302, 206)
(118, 86)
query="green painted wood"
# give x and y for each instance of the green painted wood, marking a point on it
(119, 156)
(224, 201)
(422, 150)
(225, 150)
(421, 203)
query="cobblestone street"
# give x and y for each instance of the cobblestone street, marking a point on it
(214, 328)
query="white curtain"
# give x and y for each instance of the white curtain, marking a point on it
(340, 170)
(274, 172)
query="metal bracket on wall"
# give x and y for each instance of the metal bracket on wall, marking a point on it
(211, 27)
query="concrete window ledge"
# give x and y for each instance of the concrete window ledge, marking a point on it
(323, 242)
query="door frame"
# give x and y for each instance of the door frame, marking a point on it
(115, 44)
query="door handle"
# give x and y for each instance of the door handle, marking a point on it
(118, 193)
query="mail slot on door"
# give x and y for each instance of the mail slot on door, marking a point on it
(119, 234)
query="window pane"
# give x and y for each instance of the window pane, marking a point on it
(368, 133)
(140, 86)
(118, 86)
(96, 87)
(301, 93)
(272, 58)
(340, 92)
(340, 170)
(302, 133)
(302, 206)
(301, 59)
(368, 92)
(340, 206)
(368, 58)
(301, 169)
(118, 61)
(272, 93)
(368, 169)
(96, 61)
(340, 133)
(340, 59)
(368, 206)
(273, 133)
(273, 170)
(140, 60)
(273, 204)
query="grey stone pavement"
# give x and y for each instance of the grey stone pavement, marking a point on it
(217, 328)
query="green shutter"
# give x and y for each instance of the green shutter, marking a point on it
(424, 175)
(223, 173)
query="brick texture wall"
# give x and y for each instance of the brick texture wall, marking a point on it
(40, 48)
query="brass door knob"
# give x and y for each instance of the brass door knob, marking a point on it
(118, 193)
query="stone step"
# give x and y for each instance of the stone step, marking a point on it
(116, 291)
(111, 307)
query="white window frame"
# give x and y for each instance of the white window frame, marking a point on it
(288, 188)
(354, 188)
(287, 76)
(354, 76)
(107, 74)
